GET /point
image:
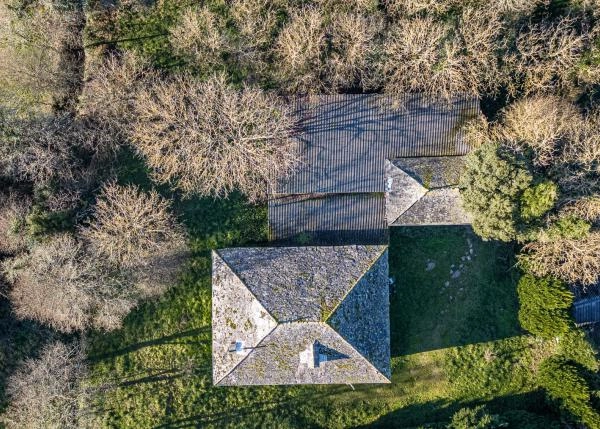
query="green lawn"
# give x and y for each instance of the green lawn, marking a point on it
(451, 345)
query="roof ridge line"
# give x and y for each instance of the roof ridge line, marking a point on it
(357, 352)
(334, 309)
(246, 357)
(244, 283)
(411, 206)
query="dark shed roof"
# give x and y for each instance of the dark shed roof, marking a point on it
(329, 218)
(346, 138)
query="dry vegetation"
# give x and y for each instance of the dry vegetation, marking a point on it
(544, 56)
(424, 55)
(563, 148)
(299, 49)
(47, 392)
(110, 89)
(34, 43)
(131, 228)
(200, 36)
(132, 249)
(354, 49)
(209, 139)
(13, 209)
(574, 261)
(63, 285)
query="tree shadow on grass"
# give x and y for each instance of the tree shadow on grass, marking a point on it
(450, 289)
(19, 340)
(198, 334)
(526, 410)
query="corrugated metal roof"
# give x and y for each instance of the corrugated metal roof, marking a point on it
(337, 195)
(329, 218)
(345, 138)
(587, 311)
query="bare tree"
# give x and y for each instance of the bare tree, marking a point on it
(48, 392)
(355, 44)
(36, 149)
(35, 49)
(110, 89)
(59, 283)
(574, 261)
(209, 139)
(423, 55)
(132, 228)
(544, 56)
(300, 49)
(49, 149)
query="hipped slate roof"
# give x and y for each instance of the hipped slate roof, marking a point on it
(291, 306)
(424, 191)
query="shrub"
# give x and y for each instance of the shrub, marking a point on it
(568, 389)
(571, 260)
(206, 138)
(493, 198)
(538, 200)
(48, 392)
(475, 418)
(544, 306)
(569, 227)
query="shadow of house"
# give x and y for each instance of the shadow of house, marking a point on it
(446, 282)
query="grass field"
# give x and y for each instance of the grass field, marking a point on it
(455, 340)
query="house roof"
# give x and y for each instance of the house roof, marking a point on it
(287, 307)
(424, 191)
(329, 218)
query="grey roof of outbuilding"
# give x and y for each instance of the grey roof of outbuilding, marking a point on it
(339, 194)
(586, 311)
(281, 301)
(346, 138)
(424, 191)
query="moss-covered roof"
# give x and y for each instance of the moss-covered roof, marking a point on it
(280, 304)
(424, 191)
